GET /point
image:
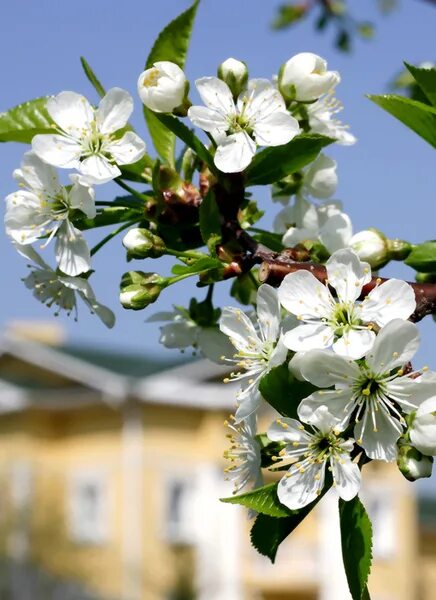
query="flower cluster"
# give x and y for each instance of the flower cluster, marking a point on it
(355, 349)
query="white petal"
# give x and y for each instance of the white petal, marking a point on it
(249, 403)
(303, 295)
(57, 150)
(354, 343)
(347, 274)
(296, 235)
(320, 179)
(276, 129)
(128, 149)
(82, 197)
(37, 175)
(279, 354)
(309, 336)
(178, 334)
(72, 112)
(216, 95)
(268, 312)
(324, 368)
(114, 110)
(324, 420)
(238, 327)
(288, 430)
(29, 253)
(25, 219)
(346, 475)
(214, 344)
(98, 169)
(412, 393)
(297, 489)
(394, 346)
(393, 299)
(423, 430)
(72, 251)
(208, 119)
(336, 232)
(335, 400)
(380, 444)
(235, 153)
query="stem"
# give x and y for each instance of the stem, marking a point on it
(131, 190)
(184, 253)
(111, 235)
(209, 294)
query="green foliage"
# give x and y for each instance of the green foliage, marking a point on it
(426, 79)
(111, 216)
(356, 536)
(280, 389)
(289, 14)
(269, 239)
(205, 263)
(92, 78)
(419, 117)
(423, 257)
(138, 171)
(244, 289)
(277, 162)
(172, 44)
(263, 500)
(210, 222)
(21, 123)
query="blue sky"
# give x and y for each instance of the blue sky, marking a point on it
(387, 179)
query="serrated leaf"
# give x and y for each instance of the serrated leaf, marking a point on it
(171, 44)
(92, 77)
(277, 162)
(210, 221)
(283, 392)
(21, 123)
(419, 117)
(426, 79)
(202, 264)
(423, 257)
(356, 537)
(263, 500)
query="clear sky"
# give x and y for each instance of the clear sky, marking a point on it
(387, 179)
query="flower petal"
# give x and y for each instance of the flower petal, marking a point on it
(214, 344)
(82, 197)
(346, 475)
(268, 312)
(37, 175)
(423, 430)
(178, 334)
(71, 250)
(393, 299)
(354, 343)
(379, 442)
(394, 346)
(208, 119)
(303, 295)
(301, 485)
(216, 95)
(98, 169)
(290, 431)
(248, 403)
(114, 110)
(275, 129)
(72, 112)
(336, 401)
(128, 149)
(235, 153)
(25, 219)
(324, 368)
(238, 327)
(409, 393)
(308, 336)
(57, 150)
(347, 274)
(336, 232)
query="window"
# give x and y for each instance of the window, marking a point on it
(180, 509)
(88, 507)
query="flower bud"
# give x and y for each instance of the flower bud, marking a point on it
(163, 87)
(138, 289)
(412, 464)
(371, 246)
(141, 243)
(235, 74)
(305, 78)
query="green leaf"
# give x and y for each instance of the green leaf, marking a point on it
(189, 138)
(356, 536)
(244, 289)
(110, 216)
(418, 116)
(21, 123)
(202, 264)
(283, 392)
(92, 78)
(172, 44)
(272, 240)
(263, 500)
(288, 14)
(139, 171)
(423, 257)
(210, 221)
(277, 162)
(426, 79)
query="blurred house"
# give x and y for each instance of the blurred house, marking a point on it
(111, 472)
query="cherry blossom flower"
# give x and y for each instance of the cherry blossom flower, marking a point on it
(305, 77)
(343, 324)
(244, 455)
(322, 121)
(162, 88)
(90, 140)
(42, 207)
(312, 452)
(372, 394)
(259, 118)
(423, 429)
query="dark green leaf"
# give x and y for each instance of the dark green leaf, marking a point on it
(244, 289)
(210, 221)
(202, 264)
(356, 536)
(343, 41)
(272, 240)
(283, 392)
(420, 117)
(263, 500)
(277, 162)
(21, 123)
(172, 44)
(426, 79)
(423, 257)
(92, 78)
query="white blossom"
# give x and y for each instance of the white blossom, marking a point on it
(259, 118)
(42, 207)
(322, 121)
(305, 77)
(342, 323)
(312, 452)
(244, 455)
(89, 139)
(59, 291)
(259, 347)
(373, 394)
(423, 429)
(162, 88)
(371, 246)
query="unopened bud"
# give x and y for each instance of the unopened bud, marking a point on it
(163, 87)
(371, 246)
(141, 243)
(413, 464)
(235, 74)
(138, 289)
(305, 78)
